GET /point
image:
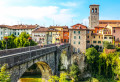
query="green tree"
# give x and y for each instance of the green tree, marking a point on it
(92, 57)
(108, 45)
(4, 76)
(62, 78)
(22, 40)
(0, 45)
(74, 72)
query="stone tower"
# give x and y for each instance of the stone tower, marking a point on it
(94, 16)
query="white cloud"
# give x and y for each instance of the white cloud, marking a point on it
(42, 15)
(69, 4)
(11, 15)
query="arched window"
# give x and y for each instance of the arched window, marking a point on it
(95, 10)
(92, 10)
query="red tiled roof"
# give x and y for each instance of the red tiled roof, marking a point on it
(114, 25)
(58, 27)
(41, 29)
(4, 26)
(94, 5)
(78, 26)
(109, 21)
(23, 27)
(101, 26)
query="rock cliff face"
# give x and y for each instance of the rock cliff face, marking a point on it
(79, 58)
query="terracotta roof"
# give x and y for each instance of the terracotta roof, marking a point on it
(53, 30)
(114, 25)
(41, 29)
(101, 26)
(4, 26)
(23, 27)
(94, 5)
(109, 21)
(58, 27)
(78, 26)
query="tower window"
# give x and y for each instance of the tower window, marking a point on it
(92, 10)
(95, 10)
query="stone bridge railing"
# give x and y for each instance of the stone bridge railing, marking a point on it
(22, 55)
(23, 49)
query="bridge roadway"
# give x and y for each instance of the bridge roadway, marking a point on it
(18, 60)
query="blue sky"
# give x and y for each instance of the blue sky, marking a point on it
(55, 12)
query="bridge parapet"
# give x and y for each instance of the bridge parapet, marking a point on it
(19, 58)
(23, 49)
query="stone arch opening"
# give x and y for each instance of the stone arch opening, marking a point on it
(44, 69)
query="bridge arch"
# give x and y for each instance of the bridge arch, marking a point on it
(44, 68)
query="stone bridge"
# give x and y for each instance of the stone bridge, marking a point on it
(47, 58)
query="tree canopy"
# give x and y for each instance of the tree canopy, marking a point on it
(15, 42)
(4, 76)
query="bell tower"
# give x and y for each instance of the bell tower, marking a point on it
(94, 16)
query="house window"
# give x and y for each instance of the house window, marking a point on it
(87, 31)
(18, 33)
(79, 42)
(15, 33)
(73, 49)
(97, 31)
(105, 37)
(99, 36)
(87, 36)
(74, 37)
(74, 42)
(79, 37)
(110, 37)
(1, 33)
(94, 36)
(74, 32)
(100, 47)
(78, 32)
(99, 42)
(114, 30)
(78, 50)
(94, 41)
(88, 41)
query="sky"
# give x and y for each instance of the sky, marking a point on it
(55, 12)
